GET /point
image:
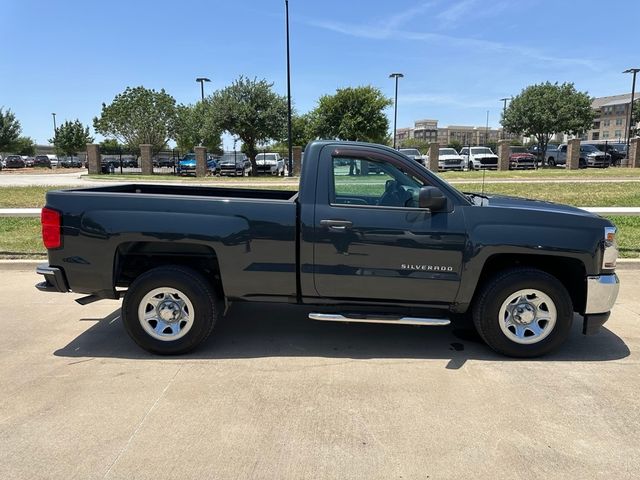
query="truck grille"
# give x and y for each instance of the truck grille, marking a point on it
(488, 161)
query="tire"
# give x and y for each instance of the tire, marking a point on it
(470, 165)
(186, 295)
(511, 337)
(551, 162)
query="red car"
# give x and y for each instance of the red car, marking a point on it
(521, 159)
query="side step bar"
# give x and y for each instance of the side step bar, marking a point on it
(329, 317)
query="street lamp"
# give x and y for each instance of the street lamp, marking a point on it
(395, 106)
(201, 80)
(633, 91)
(55, 129)
(286, 7)
(504, 110)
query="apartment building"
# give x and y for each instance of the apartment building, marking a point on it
(612, 118)
(428, 131)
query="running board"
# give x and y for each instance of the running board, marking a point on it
(329, 317)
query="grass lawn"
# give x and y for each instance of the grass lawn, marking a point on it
(20, 238)
(542, 173)
(25, 197)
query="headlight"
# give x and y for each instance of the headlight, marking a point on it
(610, 254)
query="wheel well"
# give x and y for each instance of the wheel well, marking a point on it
(135, 258)
(569, 271)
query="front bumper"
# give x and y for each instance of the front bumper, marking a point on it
(54, 279)
(602, 291)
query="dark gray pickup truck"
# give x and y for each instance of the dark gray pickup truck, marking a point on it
(384, 242)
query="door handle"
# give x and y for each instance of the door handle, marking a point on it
(336, 224)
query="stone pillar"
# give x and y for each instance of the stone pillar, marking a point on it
(634, 152)
(297, 161)
(434, 155)
(504, 150)
(201, 161)
(146, 160)
(93, 158)
(573, 154)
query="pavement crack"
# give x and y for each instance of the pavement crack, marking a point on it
(139, 426)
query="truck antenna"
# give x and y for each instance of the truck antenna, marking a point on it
(484, 171)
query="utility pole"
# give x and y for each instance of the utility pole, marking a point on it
(395, 106)
(55, 129)
(487, 131)
(504, 110)
(633, 91)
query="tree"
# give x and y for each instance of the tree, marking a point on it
(634, 121)
(541, 110)
(302, 129)
(24, 146)
(71, 137)
(250, 110)
(415, 143)
(352, 114)
(10, 130)
(111, 146)
(139, 116)
(191, 129)
(456, 144)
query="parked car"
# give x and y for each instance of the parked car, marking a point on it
(28, 161)
(235, 163)
(404, 248)
(42, 161)
(269, 163)
(70, 162)
(478, 158)
(414, 154)
(166, 162)
(187, 166)
(521, 159)
(15, 161)
(616, 155)
(449, 159)
(589, 156)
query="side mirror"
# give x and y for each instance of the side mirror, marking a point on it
(431, 198)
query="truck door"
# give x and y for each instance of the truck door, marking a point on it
(372, 242)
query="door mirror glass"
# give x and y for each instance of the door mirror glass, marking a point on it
(431, 198)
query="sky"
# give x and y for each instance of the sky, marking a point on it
(459, 57)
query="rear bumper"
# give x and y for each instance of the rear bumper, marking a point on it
(54, 279)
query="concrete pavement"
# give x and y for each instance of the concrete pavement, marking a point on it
(273, 395)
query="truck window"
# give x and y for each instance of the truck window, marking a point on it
(366, 182)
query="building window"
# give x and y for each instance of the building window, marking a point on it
(618, 133)
(618, 122)
(606, 123)
(595, 136)
(605, 134)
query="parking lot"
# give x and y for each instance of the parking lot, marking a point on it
(273, 395)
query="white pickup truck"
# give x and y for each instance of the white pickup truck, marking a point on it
(270, 163)
(478, 158)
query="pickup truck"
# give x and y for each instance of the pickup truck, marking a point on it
(399, 247)
(269, 163)
(589, 156)
(479, 158)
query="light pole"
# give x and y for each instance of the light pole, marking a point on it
(633, 91)
(55, 129)
(201, 80)
(395, 106)
(286, 8)
(487, 130)
(504, 110)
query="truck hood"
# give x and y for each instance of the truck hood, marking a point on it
(527, 204)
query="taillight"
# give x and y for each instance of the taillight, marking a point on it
(51, 232)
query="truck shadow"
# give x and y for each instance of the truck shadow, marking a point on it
(248, 332)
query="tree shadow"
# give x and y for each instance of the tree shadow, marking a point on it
(248, 331)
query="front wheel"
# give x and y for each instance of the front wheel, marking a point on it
(551, 162)
(169, 310)
(523, 312)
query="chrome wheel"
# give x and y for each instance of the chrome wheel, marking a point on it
(166, 314)
(527, 316)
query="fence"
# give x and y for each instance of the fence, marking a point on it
(127, 161)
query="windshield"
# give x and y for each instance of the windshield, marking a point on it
(232, 157)
(589, 148)
(412, 152)
(481, 151)
(266, 156)
(189, 156)
(448, 151)
(518, 150)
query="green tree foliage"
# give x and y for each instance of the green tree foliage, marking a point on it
(302, 129)
(111, 146)
(139, 116)
(71, 137)
(456, 144)
(636, 117)
(541, 110)
(415, 143)
(191, 129)
(24, 146)
(250, 110)
(352, 113)
(10, 130)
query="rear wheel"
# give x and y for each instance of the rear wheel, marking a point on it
(169, 310)
(523, 312)
(551, 162)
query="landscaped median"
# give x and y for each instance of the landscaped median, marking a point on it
(20, 237)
